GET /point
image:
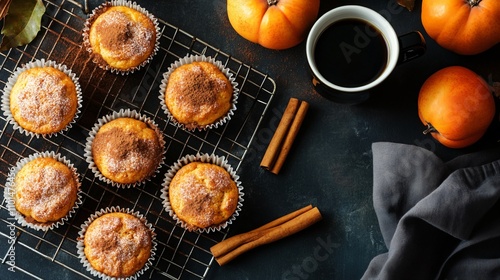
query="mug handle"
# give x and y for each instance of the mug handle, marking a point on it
(411, 46)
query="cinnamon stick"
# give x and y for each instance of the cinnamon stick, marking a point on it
(285, 134)
(287, 144)
(294, 222)
(280, 134)
(285, 218)
(235, 241)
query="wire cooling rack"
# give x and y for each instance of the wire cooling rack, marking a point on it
(26, 253)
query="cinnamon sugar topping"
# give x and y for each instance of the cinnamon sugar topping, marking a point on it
(45, 190)
(119, 33)
(200, 88)
(205, 193)
(44, 100)
(198, 94)
(125, 151)
(121, 38)
(117, 244)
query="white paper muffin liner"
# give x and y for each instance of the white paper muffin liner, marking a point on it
(189, 59)
(80, 246)
(10, 190)
(98, 11)
(207, 158)
(123, 113)
(12, 81)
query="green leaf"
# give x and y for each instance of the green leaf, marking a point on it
(22, 23)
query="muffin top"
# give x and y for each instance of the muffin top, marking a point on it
(43, 100)
(122, 37)
(203, 195)
(198, 94)
(127, 150)
(117, 244)
(45, 190)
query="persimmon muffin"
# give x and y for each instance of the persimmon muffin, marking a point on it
(127, 150)
(43, 100)
(203, 195)
(117, 244)
(45, 190)
(121, 36)
(198, 94)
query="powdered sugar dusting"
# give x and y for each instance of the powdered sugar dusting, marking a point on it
(207, 194)
(117, 244)
(44, 191)
(44, 100)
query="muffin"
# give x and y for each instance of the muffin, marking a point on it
(121, 36)
(116, 244)
(125, 149)
(202, 195)
(197, 92)
(43, 191)
(42, 98)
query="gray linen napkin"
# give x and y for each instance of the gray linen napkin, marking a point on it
(439, 220)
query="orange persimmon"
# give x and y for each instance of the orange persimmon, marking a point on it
(456, 105)
(274, 24)
(463, 26)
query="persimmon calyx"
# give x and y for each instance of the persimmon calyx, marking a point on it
(472, 3)
(274, 2)
(429, 129)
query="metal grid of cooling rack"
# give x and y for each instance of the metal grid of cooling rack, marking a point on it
(180, 254)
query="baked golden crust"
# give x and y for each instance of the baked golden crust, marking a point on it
(117, 244)
(43, 100)
(45, 190)
(198, 94)
(122, 37)
(203, 195)
(127, 150)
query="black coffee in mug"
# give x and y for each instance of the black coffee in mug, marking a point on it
(351, 53)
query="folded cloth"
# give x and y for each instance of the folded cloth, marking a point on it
(439, 220)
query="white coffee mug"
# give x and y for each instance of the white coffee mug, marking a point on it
(399, 49)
